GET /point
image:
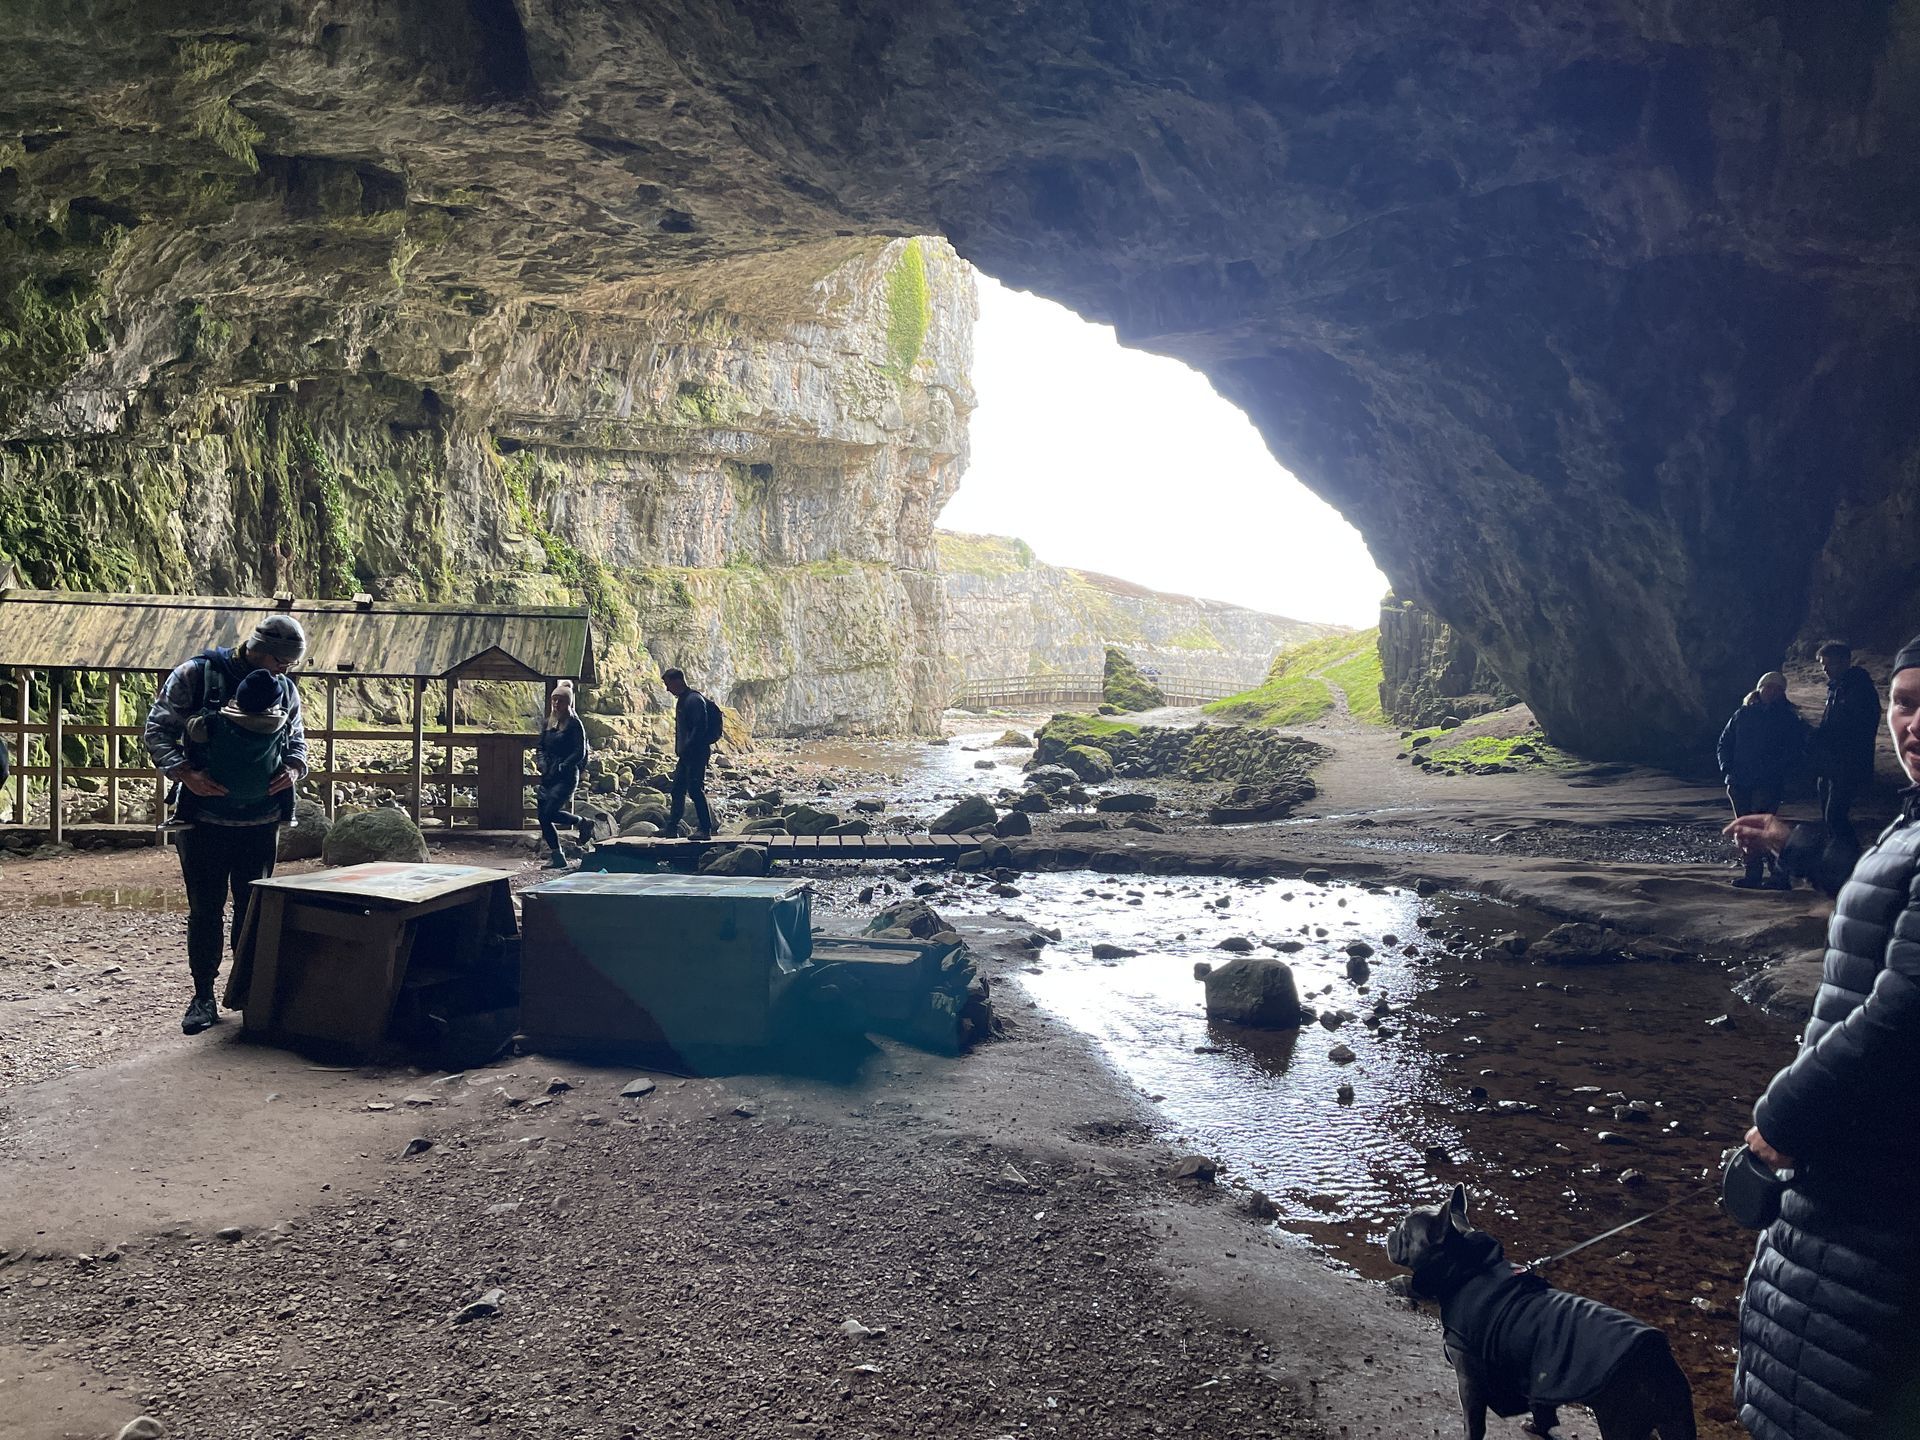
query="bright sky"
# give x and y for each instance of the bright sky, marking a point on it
(1114, 460)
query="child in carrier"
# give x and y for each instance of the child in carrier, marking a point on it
(243, 745)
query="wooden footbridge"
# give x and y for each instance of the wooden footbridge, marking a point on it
(643, 852)
(1027, 692)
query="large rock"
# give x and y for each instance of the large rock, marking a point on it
(359, 836)
(1088, 763)
(1245, 804)
(305, 838)
(1254, 990)
(910, 917)
(806, 820)
(736, 860)
(971, 813)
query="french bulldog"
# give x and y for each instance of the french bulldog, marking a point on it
(1518, 1346)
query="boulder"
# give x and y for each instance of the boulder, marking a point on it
(639, 829)
(1107, 950)
(1034, 802)
(1088, 763)
(1253, 990)
(851, 827)
(765, 825)
(1249, 804)
(359, 836)
(305, 838)
(1082, 823)
(1141, 822)
(915, 917)
(1126, 803)
(1051, 778)
(1013, 823)
(1013, 740)
(806, 820)
(736, 860)
(971, 813)
(1578, 942)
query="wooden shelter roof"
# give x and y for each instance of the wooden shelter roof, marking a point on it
(81, 630)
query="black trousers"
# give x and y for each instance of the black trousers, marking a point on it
(219, 862)
(1836, 808)
(553, 804)
(690, 780)
(1756, 800)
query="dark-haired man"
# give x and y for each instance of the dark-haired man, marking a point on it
(1843, 741)
(693, 739)
(234, 795)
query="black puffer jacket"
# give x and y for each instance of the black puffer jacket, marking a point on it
(1763, 744)
(1830, 1324)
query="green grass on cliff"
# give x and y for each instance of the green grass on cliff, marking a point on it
(1293, 692)
(987, 556)
(909, 311)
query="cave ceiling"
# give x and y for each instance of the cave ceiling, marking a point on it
(1595, 316)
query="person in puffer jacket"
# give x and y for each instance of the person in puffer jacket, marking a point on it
(1830, 1322)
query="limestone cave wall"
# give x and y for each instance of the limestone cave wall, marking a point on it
(1596, 316)
(1429, 670)
(1008, 613)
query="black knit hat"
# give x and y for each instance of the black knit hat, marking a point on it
(1908, 657)
(258, 693)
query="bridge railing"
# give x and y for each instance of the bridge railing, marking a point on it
(1015, 692)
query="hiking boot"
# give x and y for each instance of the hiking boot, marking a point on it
(202, 1014)
(1777, 882)
(1748, 882)
(555, 861)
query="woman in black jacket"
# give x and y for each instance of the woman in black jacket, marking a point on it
(1830, 1323)
(562, 757)
(1763, 744)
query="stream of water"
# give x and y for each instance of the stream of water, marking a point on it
(1567, 1099)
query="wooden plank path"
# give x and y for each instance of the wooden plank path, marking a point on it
(651, 849)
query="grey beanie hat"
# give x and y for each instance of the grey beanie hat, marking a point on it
(280, 636)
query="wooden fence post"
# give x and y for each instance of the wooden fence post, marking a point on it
(56, 760)
(419, 744)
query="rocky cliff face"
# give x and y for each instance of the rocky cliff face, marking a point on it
(1596, 316)
(1009, 614)
(739, 476)
(1429, 670)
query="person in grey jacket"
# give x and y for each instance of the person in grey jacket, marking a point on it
(227, 838)
(1830, 1322)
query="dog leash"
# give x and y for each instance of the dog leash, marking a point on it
(1608, 1234)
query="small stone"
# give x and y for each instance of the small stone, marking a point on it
(1612, 1137)
(379, 1104)
(636, 1088)
(1197, 1168)
(1359, 949)
(1631, 1178)
(232, 1234)
(1259, 1205)
(1238, 944)
(854, 1330)
(418, 1145)
(1105, 951)
(1344, 1094)
(144, 1427)
(1722, 1022)
(559, 1085)
(486, 1306)
(1317, 876)
(745, 1111)
(419, 1097)
(1341, 1055)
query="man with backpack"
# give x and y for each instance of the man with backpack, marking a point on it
(226, 729)
(697, 727)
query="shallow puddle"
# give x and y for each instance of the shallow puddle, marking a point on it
(160, 899)
(1501, 1075)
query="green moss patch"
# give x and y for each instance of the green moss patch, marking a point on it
(909, 311)
(1125, 688)
(1465, 751)
(1293, 692)
(987, 556)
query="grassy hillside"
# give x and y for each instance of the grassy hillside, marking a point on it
(1293, 693)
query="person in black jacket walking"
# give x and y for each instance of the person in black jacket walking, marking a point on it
(1843, 744)
(562, 748)
(693, 735)
(1830, 1322)
(1762, 744)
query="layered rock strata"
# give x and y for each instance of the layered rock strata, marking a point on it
(739, 475)
(1429, 670)
(1010, 614)
(1596, 317)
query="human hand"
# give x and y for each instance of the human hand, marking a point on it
(201, 783)
(1757, 1143)
(1758, 835)
(286, 779)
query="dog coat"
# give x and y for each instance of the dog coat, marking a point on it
(1524, 1342)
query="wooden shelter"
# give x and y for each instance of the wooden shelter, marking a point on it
(47, 632)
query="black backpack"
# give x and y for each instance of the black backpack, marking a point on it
(716, 727)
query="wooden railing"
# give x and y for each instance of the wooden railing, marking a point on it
(1014, 692)
(135, 793)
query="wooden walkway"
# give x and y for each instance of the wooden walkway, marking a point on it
(651, 849)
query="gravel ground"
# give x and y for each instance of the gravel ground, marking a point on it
(681, 1264)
